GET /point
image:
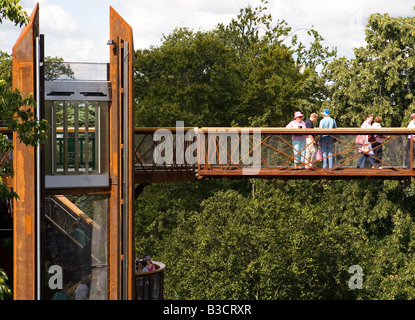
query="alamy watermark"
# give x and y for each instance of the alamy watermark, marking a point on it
(356, 280)
(228, 146)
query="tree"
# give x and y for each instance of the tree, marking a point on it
(5, 68)
(241, 74)
(260, 239)
(55, 68)
(381, 78)
(15, 111)
(5, 291)
(13, 115)
(13, 11)
(16, 114)
(191, 77)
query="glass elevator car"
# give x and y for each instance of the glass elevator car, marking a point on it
(77, 97)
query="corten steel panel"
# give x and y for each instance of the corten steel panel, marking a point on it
(24, 240)
(120, 32)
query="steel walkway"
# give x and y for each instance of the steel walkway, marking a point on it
(183, 154)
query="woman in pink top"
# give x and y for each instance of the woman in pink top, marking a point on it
(298, 141)
(366, 155)
(149, 265)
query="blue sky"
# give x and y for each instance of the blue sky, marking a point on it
(78, 30)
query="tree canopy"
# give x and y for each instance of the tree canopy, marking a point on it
(236, 75)
(13, 11)
(380, 79)
(266, 239)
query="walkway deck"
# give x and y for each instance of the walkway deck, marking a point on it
(185, 154)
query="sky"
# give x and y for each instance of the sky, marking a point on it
(78, 30)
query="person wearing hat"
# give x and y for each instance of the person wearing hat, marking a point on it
(298, 141)
(149, 265)
(326, 140)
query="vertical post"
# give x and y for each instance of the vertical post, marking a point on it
(53, 137)
(121, 215)
(98, 138)
(65, 138)
(24, 165)
(76, 137)
(86, 141)
(40, 176)
(125, 172)
(411, 150)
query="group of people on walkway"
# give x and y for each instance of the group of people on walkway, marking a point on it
(370, 145)
(305, 147)
(144, 265)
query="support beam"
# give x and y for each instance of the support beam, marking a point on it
(121, 213)
(24, 161)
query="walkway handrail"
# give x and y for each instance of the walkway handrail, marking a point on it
(173, 154)
(282, 130)
(150, 285)
(160, 266)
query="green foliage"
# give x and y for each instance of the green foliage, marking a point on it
(5, 291)
(188, 78)
(55, 68)
(236, 75)
(13, 11)
(5, 69)
(265, 239)
(280, 240)
(381, 78)
(16, 112)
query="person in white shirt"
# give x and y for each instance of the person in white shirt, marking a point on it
(298, 141)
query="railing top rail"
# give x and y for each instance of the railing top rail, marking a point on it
(5, 130)
(280, 130)
(160, 267)
(275, 130)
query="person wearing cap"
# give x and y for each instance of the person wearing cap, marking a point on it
(326, 140)
(149, 265)
(298, 141)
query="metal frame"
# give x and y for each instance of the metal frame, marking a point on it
(28, 180)
(212, 148)
(25, 78)
(78, 90)
(121, 222)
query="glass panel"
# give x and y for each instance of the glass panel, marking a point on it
(87, 125)
(82, 128)
(71, 113)
(75, 247)
(60, 143)
(80, 138)
(92, 126)
(74, 71)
